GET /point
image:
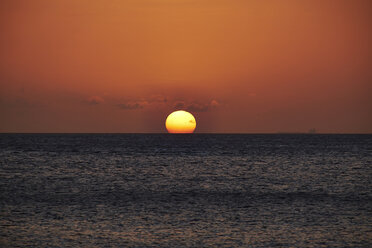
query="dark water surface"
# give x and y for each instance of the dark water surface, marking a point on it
(204, 190)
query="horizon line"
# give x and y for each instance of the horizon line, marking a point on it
(234, 133)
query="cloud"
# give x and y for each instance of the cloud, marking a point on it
(20, 102)
(179, 105)
(133, 105)
(196, 107)
(154, 101)
(158, 99)
(141, 103)
(95, 100)
(214, 104)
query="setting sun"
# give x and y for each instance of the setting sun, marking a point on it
(180, 122)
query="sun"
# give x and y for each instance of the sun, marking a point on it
(180, 122)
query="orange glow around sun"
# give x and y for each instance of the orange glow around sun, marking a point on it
(180, 122)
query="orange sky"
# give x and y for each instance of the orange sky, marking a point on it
(237, 65)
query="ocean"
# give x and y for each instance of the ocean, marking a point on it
(185, 190)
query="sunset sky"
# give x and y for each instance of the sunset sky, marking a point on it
(238, 66)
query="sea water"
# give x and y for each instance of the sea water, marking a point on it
(198, 190)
